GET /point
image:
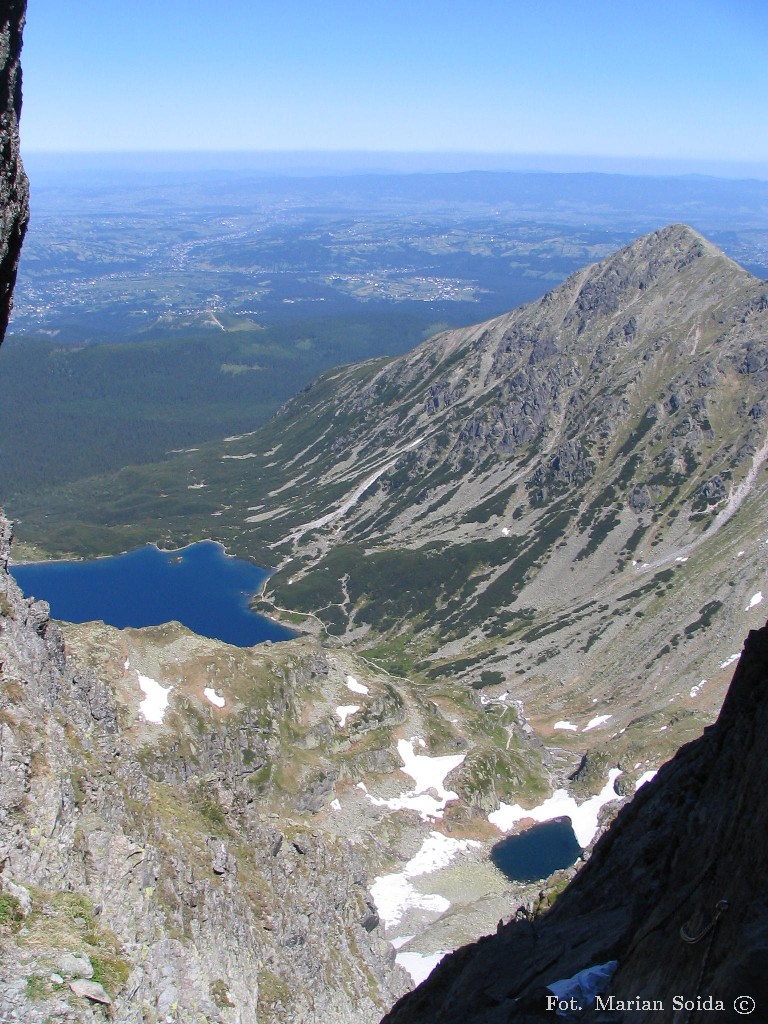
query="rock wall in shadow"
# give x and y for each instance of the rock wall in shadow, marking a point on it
(14, 188)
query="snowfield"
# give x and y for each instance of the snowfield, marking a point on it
(156, 699)
(355, 687)
(394, 894)
(593, 723)
(428, 773)
(419, 965)
(561, 804)
(645, 777)
(344, 712)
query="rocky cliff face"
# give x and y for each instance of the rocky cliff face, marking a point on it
(14, 190)
(690, 839)
(154, 871)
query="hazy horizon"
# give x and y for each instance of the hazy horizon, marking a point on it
(329, 162)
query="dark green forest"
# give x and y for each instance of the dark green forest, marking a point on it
(69, 412)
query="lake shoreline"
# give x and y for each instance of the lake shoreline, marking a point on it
(201, 585)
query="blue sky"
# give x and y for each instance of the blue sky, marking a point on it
(678, 79)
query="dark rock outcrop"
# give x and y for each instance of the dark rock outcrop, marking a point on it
(693, 837)
(14, 189)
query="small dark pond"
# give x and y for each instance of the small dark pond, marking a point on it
(537, 852)
(199, 586)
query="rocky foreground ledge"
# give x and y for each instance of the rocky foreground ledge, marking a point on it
(144, 883)
(697, 835)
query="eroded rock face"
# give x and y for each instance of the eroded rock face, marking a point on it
(696, 835)
(14, 188)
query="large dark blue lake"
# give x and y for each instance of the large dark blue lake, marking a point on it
(199, 586)
(537, 852)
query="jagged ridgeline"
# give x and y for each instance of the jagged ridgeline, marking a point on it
(505, 499)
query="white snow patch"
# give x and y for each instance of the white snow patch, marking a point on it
(561, 804)
(250, 455)
(355, 687)
(739, 554)
(429, 774)
(394, 894)
(501, 699)
(645, 777)
(400, 941)
(730, 661)
(345, 712)
(213, 697)
(504, 531)
(336, 805)
(195, 487)
(419, 965)
(127, 664)
(156, 699)
(696, 690)
(594, 722)
(566, 725)
(426, 806)
(437, 851)
(755, 600)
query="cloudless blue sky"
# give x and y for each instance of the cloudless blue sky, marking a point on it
(682, 79)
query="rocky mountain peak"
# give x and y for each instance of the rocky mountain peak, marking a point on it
(659, 260)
